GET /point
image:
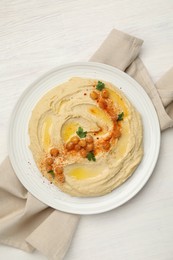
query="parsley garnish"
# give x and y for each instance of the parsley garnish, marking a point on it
(100, 85)
(120, 116)
(52, 173)
(91, 156)
(80, 132)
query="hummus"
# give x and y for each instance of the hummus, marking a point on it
(86, 137)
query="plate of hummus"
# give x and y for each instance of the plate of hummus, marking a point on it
(84, 138)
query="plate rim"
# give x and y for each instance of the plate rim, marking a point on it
(103, 66)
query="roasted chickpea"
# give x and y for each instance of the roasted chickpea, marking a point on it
(48, 168)
(77, 147)
(75, 139)
(54, 152)
(59, 170)
(70, 146)
(82, 142)
(83, 153)
(94, 95)
(117, 132)
(89, 147)
(89, 139)
(105, 93)
(49, 161)
(61, 178)
(106, 146)
(102, 103)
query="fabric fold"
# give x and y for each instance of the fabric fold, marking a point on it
(165, 90)
(55, 234)
(118, 50)
(127, 60)
(24, 219)
(138, 71)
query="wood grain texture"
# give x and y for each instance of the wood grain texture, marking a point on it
(36, 36)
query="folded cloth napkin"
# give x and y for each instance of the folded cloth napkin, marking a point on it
(29, 224)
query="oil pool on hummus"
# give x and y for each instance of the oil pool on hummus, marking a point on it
(86, 137)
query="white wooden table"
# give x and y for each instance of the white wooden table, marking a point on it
(36, 36)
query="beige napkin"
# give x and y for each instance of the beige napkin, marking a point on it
(29, 224)
(121, 51)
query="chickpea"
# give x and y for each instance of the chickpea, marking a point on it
(102, 104)
(89, 139)
(106, 146)
(54, 152)
(83, 153)
(48, 168)
(59, 170)
(75, 139)
(61, 178)
(94, 95)
(105, 93)
(82, 142)
(89, 147)
(77, 147)
(49, 161)
(69, 146)
(117, 132)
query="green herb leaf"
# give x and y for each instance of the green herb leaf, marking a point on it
(52, 173)
(100, 85)
(120, 116)
(91, 156)
(80, 132)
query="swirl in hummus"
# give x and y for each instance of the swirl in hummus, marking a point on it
(86, 137)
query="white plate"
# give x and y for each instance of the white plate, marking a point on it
(25, 167)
